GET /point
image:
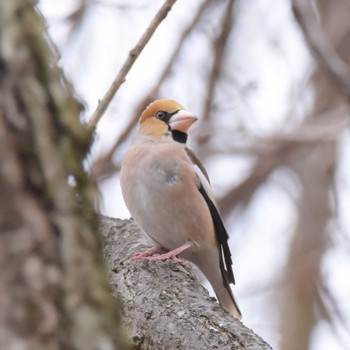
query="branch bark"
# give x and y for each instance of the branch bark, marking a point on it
(164, 305)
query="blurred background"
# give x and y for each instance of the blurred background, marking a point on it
(269, 81)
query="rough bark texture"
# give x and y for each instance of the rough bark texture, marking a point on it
(53, 286)
(164, 305)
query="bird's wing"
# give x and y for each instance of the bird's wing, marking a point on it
(220, 230)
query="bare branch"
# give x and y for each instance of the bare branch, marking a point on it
(164, 305)
(322, 50)
(264, 165)
(219, 48)
(177, 51)
(333, 312)
(275, 151)
(133, 55)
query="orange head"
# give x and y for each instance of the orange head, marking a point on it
(162, 116)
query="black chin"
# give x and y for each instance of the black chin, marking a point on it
(179, 136)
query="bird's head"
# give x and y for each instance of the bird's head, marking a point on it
(162, 116)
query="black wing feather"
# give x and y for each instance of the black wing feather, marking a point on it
(222, 236)
(220, 230)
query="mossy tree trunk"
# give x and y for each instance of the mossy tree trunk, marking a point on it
(53, 287)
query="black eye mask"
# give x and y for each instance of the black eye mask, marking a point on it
(165, 116)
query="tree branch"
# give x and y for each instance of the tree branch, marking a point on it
(218, 64)
(164, 305)
(322, 50)
(219, 50)
(133, 55)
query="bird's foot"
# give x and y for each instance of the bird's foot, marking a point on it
(172, 255)
(148, 253)
(167, 256)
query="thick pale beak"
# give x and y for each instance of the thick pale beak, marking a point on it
(182, 121)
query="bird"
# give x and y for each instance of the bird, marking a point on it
(168, 194)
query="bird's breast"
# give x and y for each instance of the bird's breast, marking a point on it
(162, 196)
(148, 182)
(165, 176)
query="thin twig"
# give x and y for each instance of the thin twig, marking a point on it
(242, 193)
(322, 50)
(219, 49)
(133, 55)
(333, 311)
(183, 38)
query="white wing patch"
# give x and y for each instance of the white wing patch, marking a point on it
(204, 181)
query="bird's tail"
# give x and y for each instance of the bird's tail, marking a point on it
(225, 296)
(219, 280)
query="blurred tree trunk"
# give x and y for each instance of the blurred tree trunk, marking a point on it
(307, 247)
(315, 171)
(53, 287)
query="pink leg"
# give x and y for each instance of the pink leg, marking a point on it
(149, 252)
(172, 255)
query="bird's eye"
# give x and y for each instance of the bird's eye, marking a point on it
(160, 115)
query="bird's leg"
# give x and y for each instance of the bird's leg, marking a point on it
(172, 255)
(148, 253)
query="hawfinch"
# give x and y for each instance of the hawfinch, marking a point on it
(168, 193)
